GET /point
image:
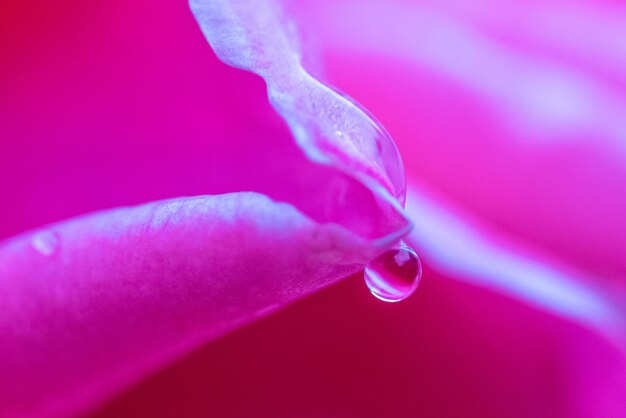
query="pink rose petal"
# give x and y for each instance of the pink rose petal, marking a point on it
(90, 305)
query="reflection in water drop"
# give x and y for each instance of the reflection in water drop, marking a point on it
(394, 275)
(46, 242)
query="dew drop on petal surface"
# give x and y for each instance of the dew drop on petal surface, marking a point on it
(394, 275)
(45, 242)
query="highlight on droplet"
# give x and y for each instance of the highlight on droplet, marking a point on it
(45, 242)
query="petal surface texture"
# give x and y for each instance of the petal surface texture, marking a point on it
(91, 304)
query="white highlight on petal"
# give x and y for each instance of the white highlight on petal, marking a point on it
(45, 242)
(456, 245)
(541, 96)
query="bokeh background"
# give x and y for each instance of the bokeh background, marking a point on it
(513, 113)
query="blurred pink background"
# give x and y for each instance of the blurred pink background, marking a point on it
(513, 113)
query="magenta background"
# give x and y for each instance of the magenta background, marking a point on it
(123, 103)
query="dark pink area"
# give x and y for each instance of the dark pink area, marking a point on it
(451, 350)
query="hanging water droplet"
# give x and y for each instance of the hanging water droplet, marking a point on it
(394, 275)
(46, 242)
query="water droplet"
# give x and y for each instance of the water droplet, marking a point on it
(394, 275)
(46, 242)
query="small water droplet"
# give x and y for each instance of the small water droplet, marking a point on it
(46, 242)
(394, 275)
